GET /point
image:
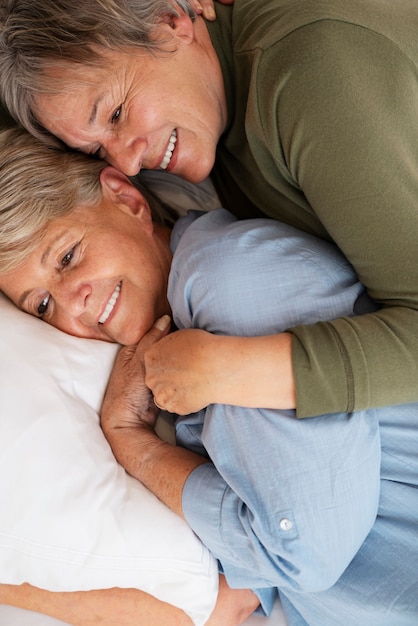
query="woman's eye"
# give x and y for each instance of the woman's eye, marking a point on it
(116, 114)
(43, 307)
(67, 258)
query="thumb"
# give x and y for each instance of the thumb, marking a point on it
(160, 329)
(163, 324)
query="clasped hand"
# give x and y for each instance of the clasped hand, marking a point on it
(189, 369)
(173, 368)
(128, 412)
(181, 372)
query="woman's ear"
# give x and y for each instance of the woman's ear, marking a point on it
(181, 25)
(117, 188)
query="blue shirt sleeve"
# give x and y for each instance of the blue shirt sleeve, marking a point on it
(206, 478)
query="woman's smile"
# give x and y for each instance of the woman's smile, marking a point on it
(110, 304)
(169, 152)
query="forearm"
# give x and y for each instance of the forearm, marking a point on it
(255, 372)
(125, 607)
(161, 467)
(107, 607)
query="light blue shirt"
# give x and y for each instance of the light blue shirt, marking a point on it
(284, 503)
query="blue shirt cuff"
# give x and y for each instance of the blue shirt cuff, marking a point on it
(202, 500)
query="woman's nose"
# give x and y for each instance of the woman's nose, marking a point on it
(73, 296)
(126, 155)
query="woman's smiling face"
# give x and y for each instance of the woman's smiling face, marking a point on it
(100, 272)
(156, 111)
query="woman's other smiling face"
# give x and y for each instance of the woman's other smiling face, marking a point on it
(156, 111)
(100, 272)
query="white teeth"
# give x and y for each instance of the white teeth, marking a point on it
(110, 305)
(167, 158)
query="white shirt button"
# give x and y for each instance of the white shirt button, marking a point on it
(285, 524)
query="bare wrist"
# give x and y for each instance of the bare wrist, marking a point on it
(254, 371)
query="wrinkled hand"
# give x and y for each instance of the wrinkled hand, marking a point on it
(190, 369)
(181, 371)
(207, 8)
(128, 402)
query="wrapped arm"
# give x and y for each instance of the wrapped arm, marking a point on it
(352, 152)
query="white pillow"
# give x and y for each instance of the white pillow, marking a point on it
(71, 518)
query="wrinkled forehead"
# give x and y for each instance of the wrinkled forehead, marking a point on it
(95, 69)
(70, 91)
(66, 80)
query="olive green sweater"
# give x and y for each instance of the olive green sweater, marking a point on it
(323, 134)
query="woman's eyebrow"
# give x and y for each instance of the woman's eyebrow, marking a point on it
(23, 298)
(94, 109)
(27, 292)
(93, 113)
(45, 256)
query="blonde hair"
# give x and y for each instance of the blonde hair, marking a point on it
(37, 36)
(38, 184)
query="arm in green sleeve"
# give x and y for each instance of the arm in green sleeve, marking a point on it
(350, 139)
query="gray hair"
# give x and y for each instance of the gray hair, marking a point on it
(38, 184)
(42, 34)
